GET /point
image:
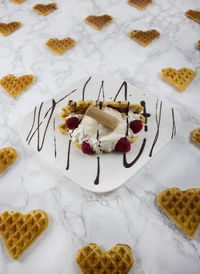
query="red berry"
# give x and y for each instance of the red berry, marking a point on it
(72, 122)
(86, 148)
(136, 126)
(123, 145)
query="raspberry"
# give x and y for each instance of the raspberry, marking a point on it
(72, 122)
(136, 126)
(86, 148)
(123, 145)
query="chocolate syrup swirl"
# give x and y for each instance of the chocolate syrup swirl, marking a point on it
(96, 182)
(174, 125)
(158, 119)
(125, 86)
(101, 90)
(99, 142)
(33, 123)
(126, 164)
(39, 123)
(54, 138)
(68, 155)
(145, 114)
(84, 87)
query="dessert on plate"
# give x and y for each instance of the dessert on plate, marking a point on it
(97, 127)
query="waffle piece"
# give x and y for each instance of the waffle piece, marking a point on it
(183, 207)
(98, 22)
(179, 78)
(60, 46)
(8, 155)
(17, 1)
(194, 15)
(198, 44)
(16, 85)
(45, 9)
(196, 136)
(102, 117)
(140, 4)
(119, 259)
(6, 29)
(19, 231)
(144, 38)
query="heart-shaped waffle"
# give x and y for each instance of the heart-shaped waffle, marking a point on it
(198, 44)
(19, 231)
(60, 46)
(8, 155)
(194, 15)
(17, 1)
(196, 136)
(45, 9)
(140, 4)
(6, 29)
(118, 259)
(16, 85)
(144, 38)
(179, 78)
(183, 207)
(98, 22)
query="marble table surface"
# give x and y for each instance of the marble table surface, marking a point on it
(128, 215)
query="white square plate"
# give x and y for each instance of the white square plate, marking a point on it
(39, 131)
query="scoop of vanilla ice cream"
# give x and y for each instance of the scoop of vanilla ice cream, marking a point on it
(100, 137)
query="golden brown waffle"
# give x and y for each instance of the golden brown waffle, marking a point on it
(19, 231)
(140, 4)
(196, 136)
(194, 15)
(144, 38)
(8, 155)
(183, 207)
(6, 29)
(17, 1)
(179, 78)
(118, 260)
(198, 44)
(45, 9)
(98, 22)
(60, 46)
(16, 85)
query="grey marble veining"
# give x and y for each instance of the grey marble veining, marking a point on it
(128, 215)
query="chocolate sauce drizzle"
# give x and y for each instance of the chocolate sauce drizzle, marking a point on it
(96, 182)
(174, 125)
(158, 119)
(54, 138)
(145, 114)
(68, 155)
(125, 86)
(84, 87)
(101, 90)
(126, 164)
(34, 115)
(39, 123)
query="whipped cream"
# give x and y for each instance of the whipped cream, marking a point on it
(100, 137)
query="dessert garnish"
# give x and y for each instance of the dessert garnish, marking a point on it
(6, 29)
(140, 4)
(45, 9)
(194, 15)
(60, 46)
(196, 136)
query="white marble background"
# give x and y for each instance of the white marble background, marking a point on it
(128, 215)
